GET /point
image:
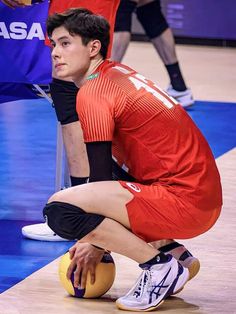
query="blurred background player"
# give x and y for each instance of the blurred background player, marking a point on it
(63, 93)
(154, 23)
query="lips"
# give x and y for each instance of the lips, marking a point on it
(58, 65)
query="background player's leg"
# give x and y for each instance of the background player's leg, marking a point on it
(75, 150)
(64, 95)
(121, 42)
(149, 14)
(165, 46)
(157, 29)
(122, 30)
(64, 98)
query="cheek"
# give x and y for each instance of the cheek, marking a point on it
(79, 60)
(82, 61)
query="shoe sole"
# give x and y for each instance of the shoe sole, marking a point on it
(182, 280)
(42, 238)
(124, 308)
(193, 269)
(184, 100)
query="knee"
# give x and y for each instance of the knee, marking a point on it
(124, 16)
(152, 19)
(56, 197)
(54, 213)
(69, 221)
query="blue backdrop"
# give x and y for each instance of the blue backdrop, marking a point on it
(24, 58)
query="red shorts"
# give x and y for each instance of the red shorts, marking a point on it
(155, 214)
(106, 8)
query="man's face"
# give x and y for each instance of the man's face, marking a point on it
(70, 57)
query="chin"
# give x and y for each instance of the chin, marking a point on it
(62, 75)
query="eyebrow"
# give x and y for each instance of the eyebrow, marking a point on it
(60, 38)
(63, 37)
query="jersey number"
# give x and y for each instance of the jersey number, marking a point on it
(140, 81)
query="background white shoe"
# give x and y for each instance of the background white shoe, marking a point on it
(41, 232)
(185, 98)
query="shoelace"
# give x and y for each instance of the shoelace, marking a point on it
(146, 276)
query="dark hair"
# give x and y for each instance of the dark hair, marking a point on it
(82, 22)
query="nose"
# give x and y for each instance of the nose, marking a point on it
(55, 52)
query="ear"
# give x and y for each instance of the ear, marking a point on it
(95, 47)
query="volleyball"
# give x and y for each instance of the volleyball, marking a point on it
(104, 273)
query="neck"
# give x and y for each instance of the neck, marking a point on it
(93, 66)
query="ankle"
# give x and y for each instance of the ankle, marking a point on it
(160, 258)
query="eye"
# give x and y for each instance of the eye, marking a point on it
(65, 43)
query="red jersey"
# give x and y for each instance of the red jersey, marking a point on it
(152, 136)
(106, 8)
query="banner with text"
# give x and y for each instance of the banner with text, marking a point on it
(24, 58)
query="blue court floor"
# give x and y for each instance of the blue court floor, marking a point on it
(27, 175)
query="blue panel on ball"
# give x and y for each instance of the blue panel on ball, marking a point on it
(107, 258)
(79, 293)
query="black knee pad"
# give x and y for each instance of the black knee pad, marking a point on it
(152, 19)
(124, 16)
(69, 221)
(64, 99)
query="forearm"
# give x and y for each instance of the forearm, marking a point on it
(100, 161)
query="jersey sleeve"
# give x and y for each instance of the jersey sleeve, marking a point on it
(95, 108)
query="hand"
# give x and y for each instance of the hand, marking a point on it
(84, 258)
(13, 3)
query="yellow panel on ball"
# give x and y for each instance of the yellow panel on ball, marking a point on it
(30, 2)
(105, 276)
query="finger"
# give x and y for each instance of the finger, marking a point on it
(72, 251)
(84, 275)
(92, 271)
(70, 269)
(77, 276)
